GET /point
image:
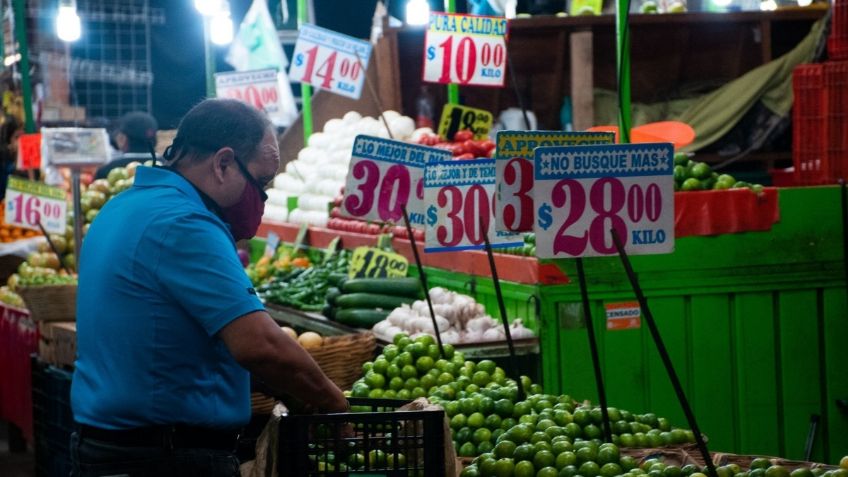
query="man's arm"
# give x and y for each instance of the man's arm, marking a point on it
(258, 344)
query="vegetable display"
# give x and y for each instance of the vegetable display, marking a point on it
(305, 288)
(482, 405)
(691, 175)
(462, 147)
(460, 319)
(363, 302)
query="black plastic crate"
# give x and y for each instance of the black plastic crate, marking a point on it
(53, 420)
(385, 442)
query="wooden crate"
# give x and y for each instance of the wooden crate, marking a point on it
(58, 343)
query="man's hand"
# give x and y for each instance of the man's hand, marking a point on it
(258, 344)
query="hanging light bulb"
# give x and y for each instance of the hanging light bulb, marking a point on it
(417, 12)
(208, 8)
(805, 3)
(68, 22)
(221, 28)
(768, 6)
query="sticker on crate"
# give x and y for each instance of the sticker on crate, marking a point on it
(623, 316)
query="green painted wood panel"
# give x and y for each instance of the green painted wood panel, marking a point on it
(800, 370)
(670, 314)
(713, 385)
(757, 405)
(835, 332)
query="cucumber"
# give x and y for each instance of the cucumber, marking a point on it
(407, 287)
(371, 300)
(360, 318)
(332, 294)
(329, 312)
(337, 279)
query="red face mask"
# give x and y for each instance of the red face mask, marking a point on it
(245, 215)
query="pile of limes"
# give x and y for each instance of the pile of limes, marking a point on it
(482, 403)
(692, 175)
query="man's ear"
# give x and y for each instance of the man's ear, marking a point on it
(222, 161)
(121, 141)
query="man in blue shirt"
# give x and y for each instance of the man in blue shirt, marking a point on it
(169, 327)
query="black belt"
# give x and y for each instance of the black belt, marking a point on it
(171, 437)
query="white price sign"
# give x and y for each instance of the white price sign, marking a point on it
(465, 49)
(514, 163)
(384, 176)
(30, 203)
(260, 89)
(583, 192)
(461, 195)
(328, 60)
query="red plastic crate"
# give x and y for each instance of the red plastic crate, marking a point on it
(836, 98)
(808, 121)
(837, 43)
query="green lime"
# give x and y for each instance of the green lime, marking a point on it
(508, 423)
(377, 459)
(568, 471)
(760, 463)
(701, 170)
(565, 459)
(427, 381)
(449, 351)
(679, 173)
(681, 158)
(418, 392)
(463, 435)
(524, 452)
(608, 453)
(628, 462)
(425, 340)
(391, 352)
(522, 408)
(542, 405)
(356, 461)
(389, 394)
(542, 446)
(547, 472)
(554, 431)
(392, 371)
(396, 384)
(589, 469)
(395, 460)
(592, 432)
(673, 471)
(411, 384)
(611, 469)
(529, 419)
(398, 337)
(562, 418)
(481, 378)
(375, 380)
(444, 379)
(505, 449)
(408, 371)
(561, 445)
(504, 467)
(627, 440)
(586, 454)
(360, 389)
(524, 468)
(521, 433)
(404, 394)
(481, 435)
(486, 405)
(424, 364)
(777, 471)
(404, 359)
(573, 430)
(690, 184)
(641, 439)
(582, 418)
(433, 352)
(504, 407)
(467, 450)
(801, 472)
(539, 436)
(493, 421)
(687, 469)
(544, 458)
(544, 424)
(470, 471)
(476, 420)
(458, 421)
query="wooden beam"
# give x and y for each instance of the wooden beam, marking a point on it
(582, 80)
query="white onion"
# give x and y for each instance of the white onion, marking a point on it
(334, 125)
(319, 139)
(351, 117)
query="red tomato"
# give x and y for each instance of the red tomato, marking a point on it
(372, 229)
(486, 145)
(463, 157)
(463, 135)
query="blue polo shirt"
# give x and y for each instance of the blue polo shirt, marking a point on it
(159, 276)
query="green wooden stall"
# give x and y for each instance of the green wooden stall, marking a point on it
(755, 322)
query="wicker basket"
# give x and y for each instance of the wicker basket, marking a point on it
(341, 357)
(51, 302)
(744, 461)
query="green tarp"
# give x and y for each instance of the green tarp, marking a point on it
(714, 114)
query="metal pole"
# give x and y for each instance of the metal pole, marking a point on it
(305, 89)
(78, 218)
(23, 49)
(622, 21)
(593, 348)
(453, 89)
(210, 60)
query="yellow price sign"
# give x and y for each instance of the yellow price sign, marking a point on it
(368, 262)
(456, 117)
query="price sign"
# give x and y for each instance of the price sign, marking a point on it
(328, 60)
(260, 89)
(461, 195)
(384, 175)
(74, 147)
(582, 192)
(456, 117)
(465, 49)
(514, 163)
(28, 203)
(367, 262)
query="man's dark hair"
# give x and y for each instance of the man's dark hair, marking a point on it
(217, 123)
(140, 130)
